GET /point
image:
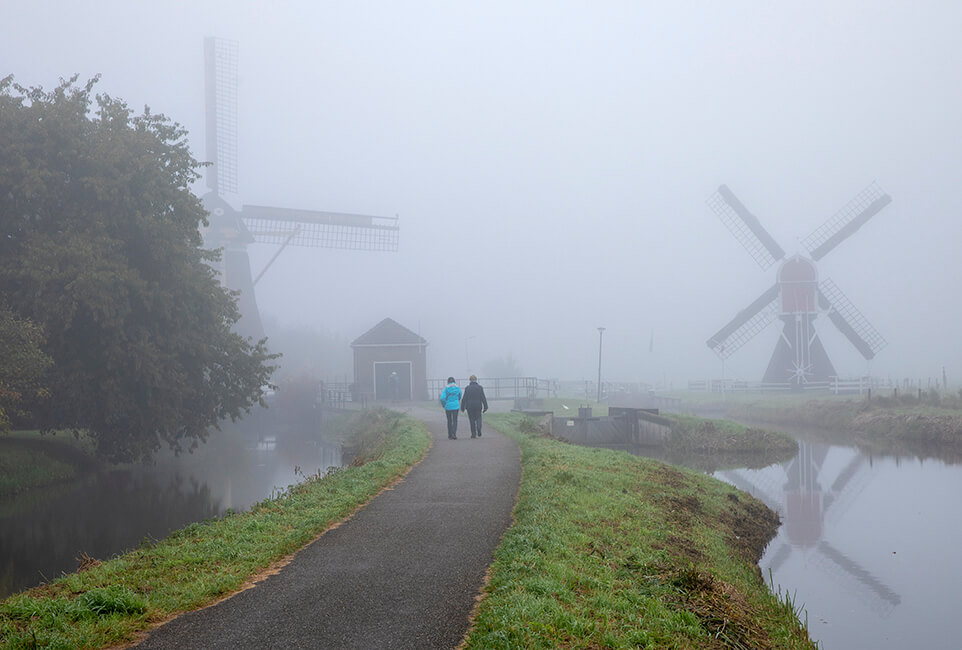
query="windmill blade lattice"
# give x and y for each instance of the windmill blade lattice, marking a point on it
(849, 320)
(856, 579)
(318, 229)
(220, 66)
(745, 227)
(846, 221)
(746, 325)
(232, 230)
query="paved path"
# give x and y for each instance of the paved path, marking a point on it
(403, 572)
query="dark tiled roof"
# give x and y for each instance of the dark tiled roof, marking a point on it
(388, 332)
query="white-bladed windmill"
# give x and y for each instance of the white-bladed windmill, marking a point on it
(233, 230)
(797, 297)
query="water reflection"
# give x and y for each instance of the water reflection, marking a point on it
(803, 503)
(868, 544)
(43, 531)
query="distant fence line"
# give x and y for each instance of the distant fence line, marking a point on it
(837, 385)
(340, 394)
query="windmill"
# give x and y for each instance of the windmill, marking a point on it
(797, 297)
(794, 490)
(233, 230)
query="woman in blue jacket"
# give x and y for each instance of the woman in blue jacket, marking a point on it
(451, 401)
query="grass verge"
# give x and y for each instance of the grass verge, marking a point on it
(29, 460)
(609, 550)
(107, 603)
(689, 433)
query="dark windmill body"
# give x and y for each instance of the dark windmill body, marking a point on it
(233, 230)
(798, 296)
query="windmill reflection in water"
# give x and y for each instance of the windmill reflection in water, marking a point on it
(795, 490)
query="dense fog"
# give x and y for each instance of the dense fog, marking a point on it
(550, 162)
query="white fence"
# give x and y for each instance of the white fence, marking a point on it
(838, 385)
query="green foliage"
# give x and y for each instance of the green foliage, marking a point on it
(22, 364)
(100, 243)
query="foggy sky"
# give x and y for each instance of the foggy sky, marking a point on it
(550, 161)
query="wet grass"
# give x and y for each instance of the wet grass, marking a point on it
(29, 460)
(108, 602)
(710, 436)
(610, 550)
(701, 443)
(22, 468)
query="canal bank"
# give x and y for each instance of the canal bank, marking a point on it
(869, 540)
(110, 599)
(101, 510)
(675, 577)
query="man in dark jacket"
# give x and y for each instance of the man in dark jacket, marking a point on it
(475, 403)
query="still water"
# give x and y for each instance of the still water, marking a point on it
(869, 546)
(44, 531)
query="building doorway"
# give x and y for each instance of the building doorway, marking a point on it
(388, 389)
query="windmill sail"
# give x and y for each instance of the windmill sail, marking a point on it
(220, 80)
(870, 590)
(849, 320)
(746, 324)
(846, 221)
(232, 230)
(745, 227)
(320, 229)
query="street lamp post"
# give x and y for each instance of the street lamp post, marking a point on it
(601, 332)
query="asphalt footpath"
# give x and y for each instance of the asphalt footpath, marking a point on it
(403, 572)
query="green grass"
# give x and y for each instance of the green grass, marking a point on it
(110, 601)
(29, 460)
(615, 551)
(690, 433)
(23, 468)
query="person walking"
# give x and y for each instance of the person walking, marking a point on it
(475, 403)
(451, 402)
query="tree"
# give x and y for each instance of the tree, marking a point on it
(100, 243)
(506, 366)
(22, 367)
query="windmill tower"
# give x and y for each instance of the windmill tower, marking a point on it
(797, 297)
(234, 230)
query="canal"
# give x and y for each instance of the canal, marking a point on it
(869, 544)
(44, 531)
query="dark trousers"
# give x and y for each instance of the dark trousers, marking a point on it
(474, 418)
(452, 422)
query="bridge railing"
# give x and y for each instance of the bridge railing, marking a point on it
(502, 387)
